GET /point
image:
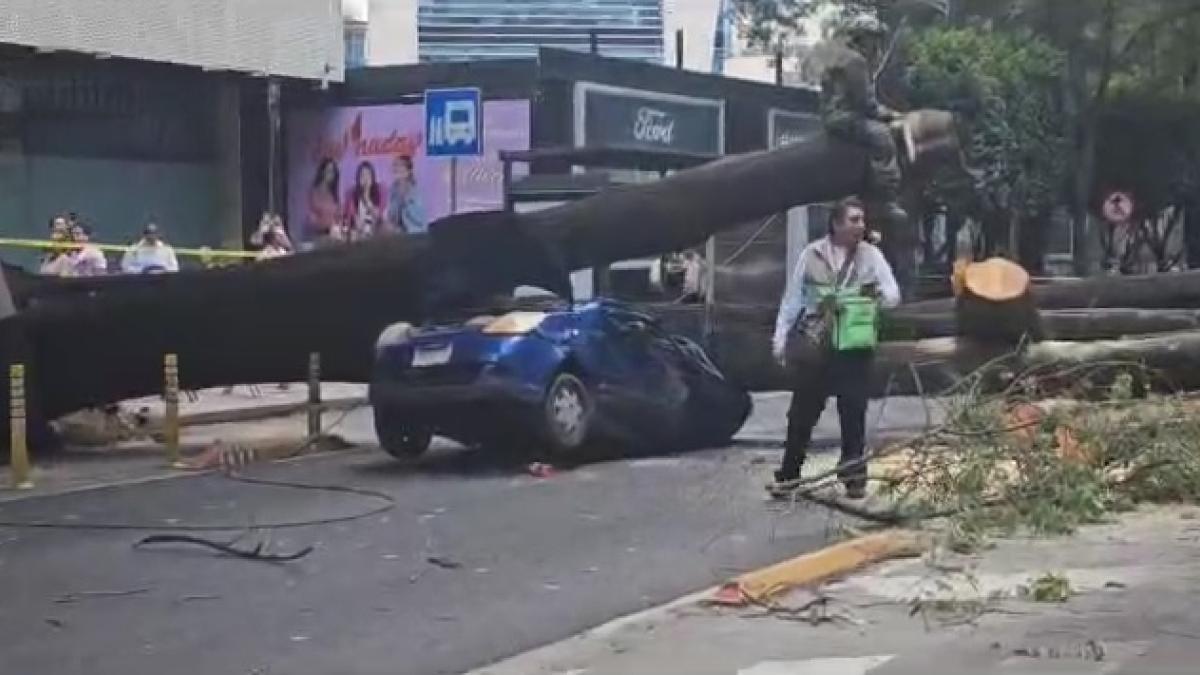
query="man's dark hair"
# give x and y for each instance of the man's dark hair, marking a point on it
(841, 208)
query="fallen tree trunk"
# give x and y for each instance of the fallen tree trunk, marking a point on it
(88, 342)
(93, 341)
(1147, 291)
(1171, 360)
(1056, 324)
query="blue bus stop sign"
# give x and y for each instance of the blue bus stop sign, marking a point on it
(453, 123)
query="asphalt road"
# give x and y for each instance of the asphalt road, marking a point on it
(517, 562)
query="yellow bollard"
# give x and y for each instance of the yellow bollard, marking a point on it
(171, 410)
(314, 395)
(18, 447)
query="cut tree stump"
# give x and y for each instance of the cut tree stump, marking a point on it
(995, 303)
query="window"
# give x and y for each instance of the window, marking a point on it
(457, 30)
(356, 44)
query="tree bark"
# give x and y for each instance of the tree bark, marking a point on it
(931, 366)
(1056, 324)
(684, 209)
(1146, 291)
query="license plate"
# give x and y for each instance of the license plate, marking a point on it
(425, 357)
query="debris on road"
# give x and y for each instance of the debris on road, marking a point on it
(1020, 460)
(201, 596)
(806, 606)
(1048, 588)
(1092, 650)
(814, 568)
(230, 456)
(254, 554)
(101, 427)
(68, 598)
(444, 563)
(541, 470)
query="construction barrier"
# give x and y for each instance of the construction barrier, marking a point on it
(204, 252)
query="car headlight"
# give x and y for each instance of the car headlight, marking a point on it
(395, 334)
(515, 323)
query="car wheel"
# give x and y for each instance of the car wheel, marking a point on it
(567, 412)
(402, 441)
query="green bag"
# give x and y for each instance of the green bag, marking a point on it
(857, 324)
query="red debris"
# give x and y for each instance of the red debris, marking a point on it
(541, 470)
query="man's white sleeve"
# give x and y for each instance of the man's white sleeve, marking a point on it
(888, 288)
(791, 305)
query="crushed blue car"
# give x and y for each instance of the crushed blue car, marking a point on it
(563, 377)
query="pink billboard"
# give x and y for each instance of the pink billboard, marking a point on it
(359, 172)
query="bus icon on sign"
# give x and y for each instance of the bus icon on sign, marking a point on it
(453, 121)
(460, 122)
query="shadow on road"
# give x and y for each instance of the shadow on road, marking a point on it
(454, 460)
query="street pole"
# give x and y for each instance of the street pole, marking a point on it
(273, 143)
(171, 409)
(314, 395)
(453, 185)
(18, 449)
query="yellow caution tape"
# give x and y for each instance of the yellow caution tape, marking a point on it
(115, 248)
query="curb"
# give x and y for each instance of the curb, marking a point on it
(813, 568)
(252, 413)
(821, 565)
(517, 662)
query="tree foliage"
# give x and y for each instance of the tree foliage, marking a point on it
(771, 23)
(1016, 136)
(1105, 54)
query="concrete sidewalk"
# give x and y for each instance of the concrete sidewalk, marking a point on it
(1133, 611)
(139, 461)
(246, 403)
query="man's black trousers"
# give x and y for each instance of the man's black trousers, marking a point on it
(846, 375)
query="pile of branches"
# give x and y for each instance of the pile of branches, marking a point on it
(1015, 460)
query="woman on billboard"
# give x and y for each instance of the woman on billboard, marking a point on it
(404, 212)
(364, 203)
(324, 207)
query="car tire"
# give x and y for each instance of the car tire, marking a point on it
(567, 413)
(400, 440)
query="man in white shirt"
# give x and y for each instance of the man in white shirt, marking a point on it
(841, 259)
(150, 254)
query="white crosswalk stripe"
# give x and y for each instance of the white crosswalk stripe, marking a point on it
(861, 665)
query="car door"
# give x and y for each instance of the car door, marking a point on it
(658, 392)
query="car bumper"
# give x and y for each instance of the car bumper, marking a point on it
(484, 389)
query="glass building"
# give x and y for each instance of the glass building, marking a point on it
(460, 30)
(723, 36)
